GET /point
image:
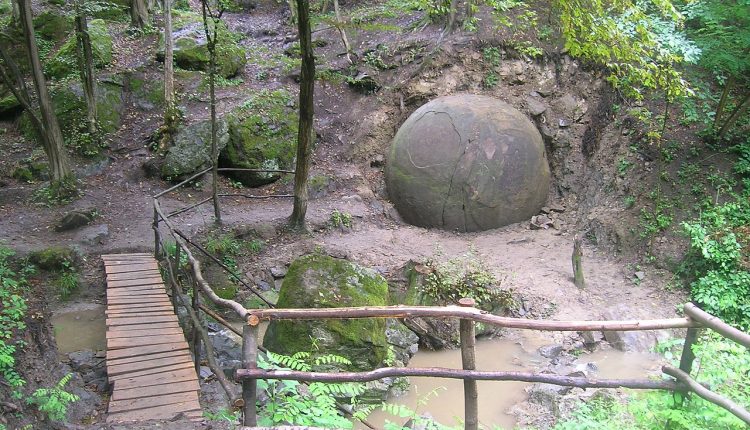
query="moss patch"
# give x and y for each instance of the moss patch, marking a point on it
(54, 259)
(53, 25)
(63, 62)
(320, 281)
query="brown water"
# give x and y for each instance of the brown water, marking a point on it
(443, 398)
(82, 327)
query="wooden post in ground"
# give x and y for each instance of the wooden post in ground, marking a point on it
(468, 359)
(155, 226)
(175, 273)
(577, 260)
(686, 360)
(249, 361)
(196, 330)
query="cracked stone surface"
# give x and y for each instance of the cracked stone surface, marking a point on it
(467, 163)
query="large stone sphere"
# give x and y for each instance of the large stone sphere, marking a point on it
(467, 163)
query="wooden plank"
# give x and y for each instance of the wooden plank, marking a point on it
(123, 294)
(134, 306)
(127, 261)
(133, 275)
(147, 357)
(140, 320)
(188, 398)
(135, 267)
(165, 412)
(128, 255)
(154, 371)
(145, 350)
(134, 282)
(145, 392)
(159, 287)
(121, 343)
(164, 378)
(138, 311)
(148, 298)
(143, 333)
(143, 327)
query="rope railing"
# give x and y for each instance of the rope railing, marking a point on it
(467, 314)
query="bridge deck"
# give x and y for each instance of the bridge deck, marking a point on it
(148, 360)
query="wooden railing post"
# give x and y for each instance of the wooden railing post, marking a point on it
(155, 226)
(250, 361)
(686, 360)
(468, 358)
(175, 275)
(196, 332)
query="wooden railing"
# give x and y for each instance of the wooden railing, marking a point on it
(465, 311)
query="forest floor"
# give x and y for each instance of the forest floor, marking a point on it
(354, 132)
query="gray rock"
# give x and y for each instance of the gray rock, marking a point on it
(641, 341)
(535, 106)
(640, 275)
(591, 337)
(434, 169)
(191, 150)
(84, 360)
(550, 351)
(94, 235)
(563, 123)
(278, 272)
(404, 341)
(75, 219)
(547, 396)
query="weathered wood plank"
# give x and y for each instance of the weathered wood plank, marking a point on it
(140, 289)
(154, 371)
(143, 327)
(140, 320)
(139, 358)
(133, 282)
(138, 311)
(133, 275)
(135, 306)
(180, 375)
(143, 350)
(145, 392)
(128, 255)
(151, 402)
(140, 266)
(148, 298)
(120, 334)
(156, 413)
(114, 370)
(125, 342)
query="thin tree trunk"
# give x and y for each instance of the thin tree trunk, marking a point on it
(340, 26)
(451, 25)
(52, 140)
(138, 13)
(86, 69)
(15, 14)
(577, 260)
(306, 110)
(293, 7)
(211, 39)
(736, 113)
(13, 78)
(168, 65)
(723, 101)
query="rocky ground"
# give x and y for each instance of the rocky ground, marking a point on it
(565, 101)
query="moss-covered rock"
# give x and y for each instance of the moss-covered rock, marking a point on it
(320, 281)
(9, 105)
(113, 10)
(55, 258)
(70, 108)
(63, 63)
(146, 92)
(191, 50)
(262, 132)
(191, 150)
(53, 25)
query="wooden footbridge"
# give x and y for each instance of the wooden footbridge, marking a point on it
(148, 359)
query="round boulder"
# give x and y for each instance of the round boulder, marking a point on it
(467, 163)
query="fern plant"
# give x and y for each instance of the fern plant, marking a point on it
(54, 402)
(293, 403)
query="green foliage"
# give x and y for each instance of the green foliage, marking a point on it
(57, 193)
(67, 283)
(54, 402)
(724, 366)
(290, 402)
(227, 415)
(464, 276)
(12, 314)
(340, 219)
(64, 63)
(405, 413)
(492, 56)
(490, 80)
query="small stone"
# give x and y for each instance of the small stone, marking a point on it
(562, 123)
(535, 107)
(95, 235)
(591, 337)
(75, 219)
(278, 272)
(550, 351)
(378, 161)
(640, 275)
(557, 224)
(556, 208)
(546, 210)
(263, 285)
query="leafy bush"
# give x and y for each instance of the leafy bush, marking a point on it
(12, 314)
(53, 402)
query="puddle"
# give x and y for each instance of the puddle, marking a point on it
(82, 327)
(446, 405)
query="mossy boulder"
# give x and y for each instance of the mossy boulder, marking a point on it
(63, 62)
(146, 92)
(53, 25)
(191, 151)
(70, 108)
(262, 135)
(191, 48)
(55, 259)
(468, 163)
(113, 10)
(9, 105)
(320, 281)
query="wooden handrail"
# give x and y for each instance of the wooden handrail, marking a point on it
(717, 325)
(476, 315)
(707, 394)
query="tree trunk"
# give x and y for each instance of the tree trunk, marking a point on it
(735, 115)
(14, 80)
(577, 259)
(86, 70)
(211, 38)
(342, 31)
(168, 66)
(15, 14)
(52, 139)
(306, 109)
(723, 101)
(138, 13)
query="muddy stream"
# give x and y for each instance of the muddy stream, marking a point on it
(82, 326)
